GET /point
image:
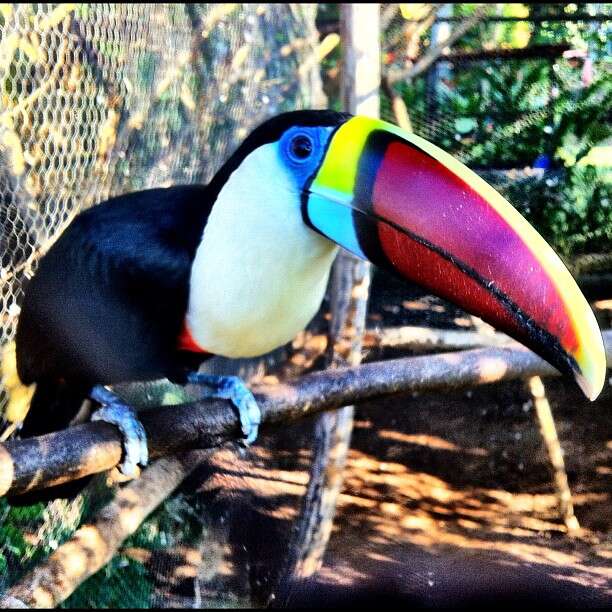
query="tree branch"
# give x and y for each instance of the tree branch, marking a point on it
(434, 53)
(349, 290)
(426, 339)
(40, 462)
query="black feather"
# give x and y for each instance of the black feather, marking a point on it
(109, 298)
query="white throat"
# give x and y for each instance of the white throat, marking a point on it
(259, 274)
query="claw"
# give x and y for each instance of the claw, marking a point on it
(250, 418)
(124, 417)
(234, 389)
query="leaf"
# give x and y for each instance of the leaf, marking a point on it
(464, 125)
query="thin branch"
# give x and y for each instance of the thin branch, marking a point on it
(40, 462)
(400, 110)
(548, 431)
(415, 32)
(412, 338)
(592, 262)
(425, 339)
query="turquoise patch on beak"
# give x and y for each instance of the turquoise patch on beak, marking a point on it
(334, 221)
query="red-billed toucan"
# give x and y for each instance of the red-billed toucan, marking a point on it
(147, 285)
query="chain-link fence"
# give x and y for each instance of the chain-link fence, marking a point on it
(100, 100)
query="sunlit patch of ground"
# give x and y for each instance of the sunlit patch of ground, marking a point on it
(453, 493)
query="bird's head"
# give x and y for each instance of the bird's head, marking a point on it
(397, 200)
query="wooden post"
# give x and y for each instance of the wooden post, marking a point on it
(359, 27)
(548, 431)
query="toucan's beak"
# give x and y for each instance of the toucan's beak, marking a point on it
(404, 204)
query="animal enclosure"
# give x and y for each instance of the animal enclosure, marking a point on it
(98, 100)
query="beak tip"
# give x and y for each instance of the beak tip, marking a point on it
(590, 391)
(592, 385)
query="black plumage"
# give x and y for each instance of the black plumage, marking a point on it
(108, 301)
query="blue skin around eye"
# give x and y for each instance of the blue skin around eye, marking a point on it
(304, 168)
(335, 222)
(332, 220)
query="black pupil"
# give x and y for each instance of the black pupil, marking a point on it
(301, 147)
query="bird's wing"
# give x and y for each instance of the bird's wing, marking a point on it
(109, 298)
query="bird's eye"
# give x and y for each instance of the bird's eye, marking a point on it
(301, 147)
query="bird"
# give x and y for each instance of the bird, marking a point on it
(152, 283)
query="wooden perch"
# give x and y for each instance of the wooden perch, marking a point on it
(424, 339)
(95, 447)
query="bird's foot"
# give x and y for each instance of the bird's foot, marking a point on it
(234, 389)
(115, 411)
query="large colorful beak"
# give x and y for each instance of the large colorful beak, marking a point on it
(406, 205)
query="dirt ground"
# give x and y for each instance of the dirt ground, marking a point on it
(448, 501)
(449, 498)
(454, 500)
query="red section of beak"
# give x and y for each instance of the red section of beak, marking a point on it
(458, 246)
(427, 268)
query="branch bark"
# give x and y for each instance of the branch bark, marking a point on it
(95, 447)
(400, 110)
(424, 339)
(93, 545)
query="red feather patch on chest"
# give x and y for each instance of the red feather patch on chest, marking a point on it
(186, 341)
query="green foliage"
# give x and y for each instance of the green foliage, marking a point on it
(572, 208)
(580, 120)
(123, 583)
(526, 105)
(506, 113)
(14, 525)
(496, 98)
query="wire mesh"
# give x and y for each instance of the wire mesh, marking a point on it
(103, 99)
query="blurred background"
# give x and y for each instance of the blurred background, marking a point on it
(445, 497)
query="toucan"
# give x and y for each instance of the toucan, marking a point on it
(149, 284)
